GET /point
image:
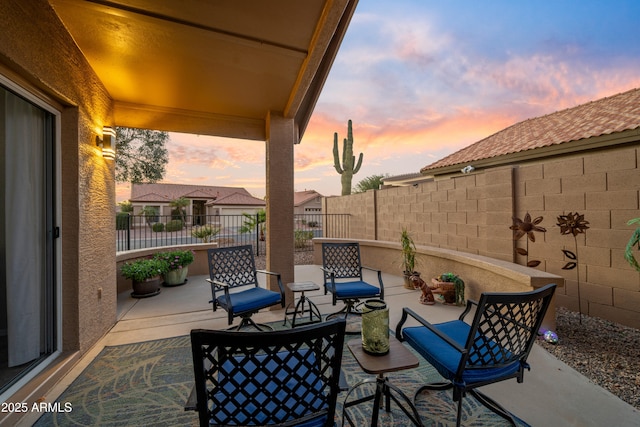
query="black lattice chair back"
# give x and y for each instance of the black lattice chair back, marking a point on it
(265, 378)
(504, 329)
(343, 259)
(234, 265)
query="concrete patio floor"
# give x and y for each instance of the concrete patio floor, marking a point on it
(552, 394)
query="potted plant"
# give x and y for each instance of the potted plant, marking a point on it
(146, 276)
(177, 266)
(451, 287)
(408, 259)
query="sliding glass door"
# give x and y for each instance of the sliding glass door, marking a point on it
(27, 233)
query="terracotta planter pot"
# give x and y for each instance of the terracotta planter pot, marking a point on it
(176, 277)
(408, 284)
(148, 288)
(445, 286)
(446, 289)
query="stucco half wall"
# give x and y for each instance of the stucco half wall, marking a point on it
(480, 273)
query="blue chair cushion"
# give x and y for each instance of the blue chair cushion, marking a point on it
(355, 289)
(249, 300)
(446, 359)
(269, 384)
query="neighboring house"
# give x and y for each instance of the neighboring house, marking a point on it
(204, 200)
(237, 203)
(307, 202)
(583, 159)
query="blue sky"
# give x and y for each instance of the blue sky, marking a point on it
(424, 78)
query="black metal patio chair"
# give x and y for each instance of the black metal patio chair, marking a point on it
(493, 348)
(285, 378)
(343, 277)
(235, 288)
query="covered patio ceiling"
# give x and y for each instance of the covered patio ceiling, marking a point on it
(209, 67)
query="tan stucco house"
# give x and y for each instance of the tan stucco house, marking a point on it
(204, 200)
(72, 70)
(307, 202)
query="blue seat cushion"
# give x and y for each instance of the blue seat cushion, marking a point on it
(355, 289)
(249, 300)
(446, 359)
(272, 392)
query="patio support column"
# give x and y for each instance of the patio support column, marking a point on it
(280, 139)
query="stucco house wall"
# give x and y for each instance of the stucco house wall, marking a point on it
(473, 212)
(46, 62)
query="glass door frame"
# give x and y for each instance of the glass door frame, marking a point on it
(53, 219)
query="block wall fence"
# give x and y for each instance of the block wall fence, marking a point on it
(472, 213)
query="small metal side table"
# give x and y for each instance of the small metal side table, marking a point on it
(304, 306)
(399, 358)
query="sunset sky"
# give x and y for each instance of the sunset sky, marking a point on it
(424, 78)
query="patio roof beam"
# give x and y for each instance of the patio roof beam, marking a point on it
(229, 35)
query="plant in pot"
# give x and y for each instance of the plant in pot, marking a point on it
(408, 259)
(177, 266)
(451, 287)
(146, 275)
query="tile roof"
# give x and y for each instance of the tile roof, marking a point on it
(605, 116)
(160, 192)
(237, 199)
(302, 197)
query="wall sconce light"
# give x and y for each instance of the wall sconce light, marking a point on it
(107, 142)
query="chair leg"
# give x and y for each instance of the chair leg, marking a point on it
(492, 405)
(248, 322)
(343, 311)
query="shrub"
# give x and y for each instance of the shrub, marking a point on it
(158, 227)
(122, 221)
(174, 225)
(177, 213)
(301, 237)
(206, 232)
(175, 259)
(143, 269)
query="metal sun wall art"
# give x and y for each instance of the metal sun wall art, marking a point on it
(527, 227)
(573, 223)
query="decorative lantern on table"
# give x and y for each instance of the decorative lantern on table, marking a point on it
(375, 327)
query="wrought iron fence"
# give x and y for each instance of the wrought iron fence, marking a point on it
(140, 231)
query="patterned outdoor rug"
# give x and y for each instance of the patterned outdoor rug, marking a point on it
(148, 383)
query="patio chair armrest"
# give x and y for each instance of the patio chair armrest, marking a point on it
(332, 277)
(467, 310)
(218, 284)
(408, 312)
(370, 268)
(328, 270)
(267, 272)
(280, 285)
(379, 279)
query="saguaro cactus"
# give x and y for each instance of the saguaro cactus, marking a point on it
(349, 166)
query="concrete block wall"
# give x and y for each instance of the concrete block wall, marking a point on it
(603, 186)
(472, 213)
